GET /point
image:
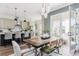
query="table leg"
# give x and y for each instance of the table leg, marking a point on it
(41, 53)
(36, 54)
(58, 51)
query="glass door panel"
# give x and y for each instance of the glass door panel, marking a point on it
(77, 26)
(55, 25)
(72, 29)
(65, 25)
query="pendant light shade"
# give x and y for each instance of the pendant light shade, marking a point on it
(16, 19)
(24, 20)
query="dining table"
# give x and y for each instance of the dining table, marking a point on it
(38, 44)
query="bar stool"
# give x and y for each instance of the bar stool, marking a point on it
(22, 36)
(26, 35)
(18, 37)
(7, 38)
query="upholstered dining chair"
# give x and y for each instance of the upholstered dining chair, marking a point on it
(19, 52)
(49, 48)
(60, 43)
(16, 48)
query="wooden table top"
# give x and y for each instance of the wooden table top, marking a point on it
(37, 44)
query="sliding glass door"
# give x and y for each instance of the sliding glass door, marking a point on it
(65, 24)
(77, 26)
(59, 25)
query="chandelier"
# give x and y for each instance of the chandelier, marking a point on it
(44, 10)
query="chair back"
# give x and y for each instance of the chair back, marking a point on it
(26, 34)
(60, 42)
(18, 35)
(8, 36)
(53, 43)
(16, 48)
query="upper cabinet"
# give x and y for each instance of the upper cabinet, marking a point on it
(7, 23)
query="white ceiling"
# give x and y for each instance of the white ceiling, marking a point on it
(33, 10)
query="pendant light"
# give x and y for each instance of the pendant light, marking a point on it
(24, 15)
(16, 18)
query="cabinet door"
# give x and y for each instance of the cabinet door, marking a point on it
(7, 23)
(11, 24)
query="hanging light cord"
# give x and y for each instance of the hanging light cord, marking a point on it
(24, 14)
(15, 12)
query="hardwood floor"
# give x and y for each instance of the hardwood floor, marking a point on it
(8, 50)
(5, 51)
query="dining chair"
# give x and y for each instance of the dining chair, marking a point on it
(16, 48)
(19, 52)
(60, 43)
(48, 49)
(7, 38)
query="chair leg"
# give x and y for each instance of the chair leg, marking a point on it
(58, 52)
(41, 53)
(74, 52)
(20, 40)
(36, 54)
(4, 43)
